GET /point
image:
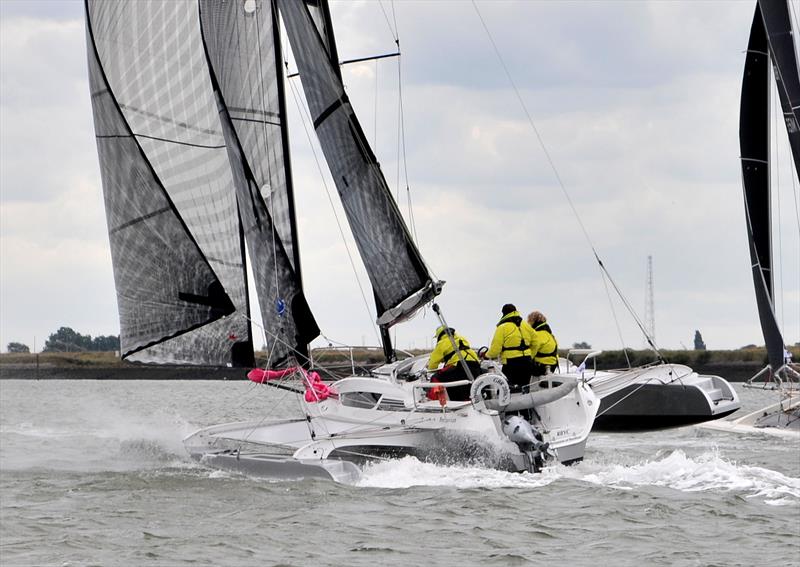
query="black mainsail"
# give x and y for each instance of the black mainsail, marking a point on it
(754, 144)
(399, 277)
(321, 16)
(244, 55)
(170, 205)
(778, 27)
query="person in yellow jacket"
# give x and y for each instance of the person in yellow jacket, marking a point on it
(545, 356)
(453, 369)
(512, 342)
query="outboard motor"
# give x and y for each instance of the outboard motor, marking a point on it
(529, 441)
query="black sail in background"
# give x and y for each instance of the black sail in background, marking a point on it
(754, 144)
(778, 26)
(165, 286)
(153, 62)
(242, 43)
(398, 275)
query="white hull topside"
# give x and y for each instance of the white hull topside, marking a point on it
(389, 414)
(654, 396)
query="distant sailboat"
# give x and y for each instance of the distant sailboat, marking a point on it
(771, 40)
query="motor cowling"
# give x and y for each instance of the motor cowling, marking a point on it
(530, 442)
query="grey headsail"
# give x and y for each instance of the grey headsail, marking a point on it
(778, 26)
(754, 144)
(242, 43)
(170, 203)
(400, 279)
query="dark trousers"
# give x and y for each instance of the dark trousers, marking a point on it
(453, 373)
(540, 369)
(518, 371)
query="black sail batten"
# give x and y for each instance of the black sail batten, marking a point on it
(161, 148)
(187, 286)
(754, 145)
(399, 277)
(288, 321)
(778, 26)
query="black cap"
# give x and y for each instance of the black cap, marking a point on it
(508, 308)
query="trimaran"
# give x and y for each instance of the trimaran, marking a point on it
(190, 117)
(190, 120)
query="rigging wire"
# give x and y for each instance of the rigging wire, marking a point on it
(392, 31)
(304, 120)
(401, 135)
(794, 172)
(375, 119)
(603, 270)
(282, 327)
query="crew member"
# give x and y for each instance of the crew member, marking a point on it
(545, 356)
(512, 343)
(453, 369)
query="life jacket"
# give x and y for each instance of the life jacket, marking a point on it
(522, 346)
(448, 354)
(551, 356)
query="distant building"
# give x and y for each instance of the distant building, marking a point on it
(698, 341)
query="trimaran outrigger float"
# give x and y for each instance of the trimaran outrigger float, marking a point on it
(190, 119)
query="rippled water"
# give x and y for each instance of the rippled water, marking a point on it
(94, 473)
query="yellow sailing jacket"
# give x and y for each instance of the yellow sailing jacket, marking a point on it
(513, 338)
(547, 351)
(444, 351)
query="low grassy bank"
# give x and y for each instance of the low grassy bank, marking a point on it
(736, 365)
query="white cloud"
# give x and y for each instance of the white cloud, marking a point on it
(638, 106)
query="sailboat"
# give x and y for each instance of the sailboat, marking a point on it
(660, 395)
(771, 42)
(190, 119)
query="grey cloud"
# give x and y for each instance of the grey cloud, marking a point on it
(42, 9)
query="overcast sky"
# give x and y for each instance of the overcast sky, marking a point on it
(637, 103)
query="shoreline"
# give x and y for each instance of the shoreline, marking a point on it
(732, 372)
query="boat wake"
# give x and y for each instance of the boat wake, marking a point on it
(113, 440)
(707, 472)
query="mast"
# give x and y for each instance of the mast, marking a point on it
(287, 161)
(754, 144)
(400, 280)
(242, 50)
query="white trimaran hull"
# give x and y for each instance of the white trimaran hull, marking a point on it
(389, 415)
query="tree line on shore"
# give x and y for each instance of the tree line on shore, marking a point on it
(66, 339)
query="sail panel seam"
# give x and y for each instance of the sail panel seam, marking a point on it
(254, 120)
(161, 140)
(138, 220)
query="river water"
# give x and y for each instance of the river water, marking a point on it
(94, 473)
